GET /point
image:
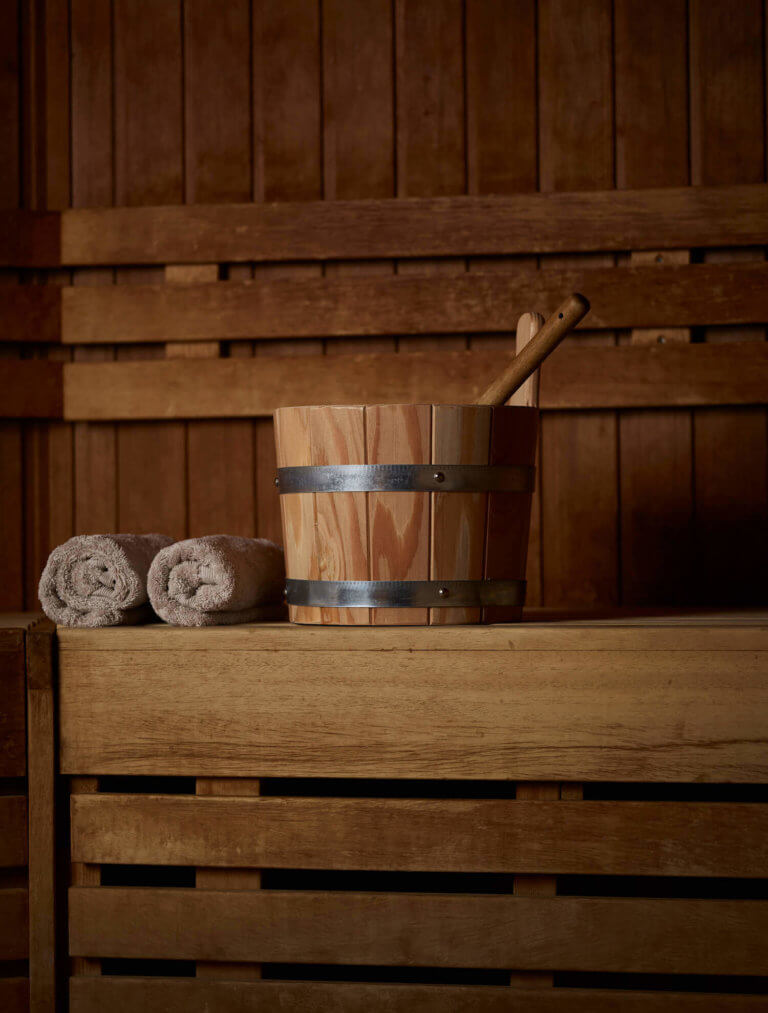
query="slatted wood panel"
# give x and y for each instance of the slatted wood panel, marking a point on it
(179, 996)
(642, 935)
(445, 112)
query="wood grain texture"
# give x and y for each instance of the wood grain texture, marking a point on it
(727, 75)
(151, 461)
(460, 435)
(41, 769)
(13, 738)
(14, 924)
(513, 439)
(175, 995)
(578, 455)
(527, 836)
(299, 512)
(655, 448)
(431, 930)
(14, 995)
(13, 830)
(309, 229)
(84, 874)
(417, 302)
(674, 715)
(337, 436)
(398, 523)
(574, 378)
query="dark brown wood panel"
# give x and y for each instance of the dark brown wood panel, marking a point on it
(13, 840)
(431, 930)
(585, 838)
(158, 995)
(14, 924)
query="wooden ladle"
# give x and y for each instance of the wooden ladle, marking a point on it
(528, 360)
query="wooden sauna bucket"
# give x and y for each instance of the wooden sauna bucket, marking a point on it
(450, 540)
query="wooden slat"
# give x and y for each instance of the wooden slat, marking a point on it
(630, 297)
(42, 815)
(177, 995)
(14, 924)
(30, 389)
(544, 630)
(460, 435)
(13, 739)
(626, 377)
(13, 830)
(14, 995)
(522, 836)
(421, 227)
(431, 930)
(525, 715)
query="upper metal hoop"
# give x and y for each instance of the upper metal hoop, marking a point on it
(405, 478)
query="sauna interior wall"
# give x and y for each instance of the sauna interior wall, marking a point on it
(129, 103)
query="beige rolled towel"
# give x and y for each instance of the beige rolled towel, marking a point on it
(100, 580)
(217, 580)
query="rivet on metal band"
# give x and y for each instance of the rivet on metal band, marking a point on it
(405, 478)
(404, 593)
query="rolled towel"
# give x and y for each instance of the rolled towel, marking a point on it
(100, 580)
(217, 580)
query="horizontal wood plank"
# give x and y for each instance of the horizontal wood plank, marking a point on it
(14, 995)
(520, 715)
(31, 313)
(631, 376)
(14, 924)
(541, 630)
(589, 838)
(159, 995)
(13, 830)
(475, 303)
(666, 936)
(31, 389)
(423, 227)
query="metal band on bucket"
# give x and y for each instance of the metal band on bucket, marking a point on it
(405, 478)
(404, 593)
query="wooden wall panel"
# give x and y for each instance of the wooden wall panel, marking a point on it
(656, 491)
(578, 453)
(302, 101)
(151, 458)
(727, 67)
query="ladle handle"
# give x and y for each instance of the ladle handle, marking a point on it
(565, 317)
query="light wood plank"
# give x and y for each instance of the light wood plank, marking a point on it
(525, 715)
(529, 835)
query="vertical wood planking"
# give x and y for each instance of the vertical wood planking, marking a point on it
(358, 148)
(337, 436)
(460, 435)
(502, 158)
(93, 186)
(727, 67)
(287, 129)
(11, 442)
(151, 457)
(218, 152)
(654, 446)
(579, 480)
(293, 449)
(429, 66)
(398, 522)
(82, 874)
(41, 768)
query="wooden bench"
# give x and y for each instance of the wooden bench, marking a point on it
(419, 818)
